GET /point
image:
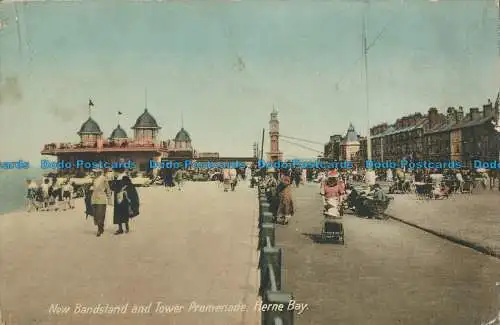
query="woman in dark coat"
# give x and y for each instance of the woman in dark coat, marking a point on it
(126, 203)
(168, 179)
(88, 201)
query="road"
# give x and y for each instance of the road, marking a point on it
(198, 245)
(387, 273)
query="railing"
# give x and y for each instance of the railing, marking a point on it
(106, 147)
(275, 303)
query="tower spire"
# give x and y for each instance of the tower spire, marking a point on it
(145, 98)
(182, 120)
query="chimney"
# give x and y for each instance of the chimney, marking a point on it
(451, 115)
(488, 109)
(460, 114)
(433, 117)
(474, 113)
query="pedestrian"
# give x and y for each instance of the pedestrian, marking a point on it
(31, 195)
(46, 191)
(296, 176)
(179, 179)
(87, 197)
(286, 207)
(126, 203)
(168, 180)
(101, 197)
(226, 174)
(56, 189)
(68, 194)
(389, 175)
(248, 174)
(233, 174)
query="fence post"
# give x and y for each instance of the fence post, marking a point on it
(272, 255)
(267, 230)
(267, 217)
(263, 208)
(278, 300)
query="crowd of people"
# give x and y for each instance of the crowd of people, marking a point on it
(334, 186)
(49, 193)
(116, 190)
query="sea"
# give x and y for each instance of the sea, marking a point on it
(13, 187)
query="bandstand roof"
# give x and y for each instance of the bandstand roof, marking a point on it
(146, 121)
(183, 135)
(90, 127)
(118, 133)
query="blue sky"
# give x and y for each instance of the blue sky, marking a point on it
(223, 65)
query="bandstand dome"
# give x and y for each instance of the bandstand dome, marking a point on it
(146, 121)
(182, 135)
(118, 133)
(90, 127)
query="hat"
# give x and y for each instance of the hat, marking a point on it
(271, 170)
(333, 174)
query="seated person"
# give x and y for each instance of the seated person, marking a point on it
(377, 193)
(440, 192)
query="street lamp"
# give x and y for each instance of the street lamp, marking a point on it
(370, 176)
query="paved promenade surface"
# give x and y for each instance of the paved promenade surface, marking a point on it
(387, 273)
(473, 218)
(197, 245)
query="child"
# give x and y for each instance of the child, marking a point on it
(67, 195)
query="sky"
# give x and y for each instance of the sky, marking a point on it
(223, 65)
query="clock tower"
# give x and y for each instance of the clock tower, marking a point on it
(274, 134)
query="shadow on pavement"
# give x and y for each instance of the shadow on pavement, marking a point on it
(318, 239)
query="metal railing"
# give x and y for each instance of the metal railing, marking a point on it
(275, 303)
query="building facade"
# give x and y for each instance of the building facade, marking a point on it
(437, 136)
(465, 138)
(332, 148)
(401, 140)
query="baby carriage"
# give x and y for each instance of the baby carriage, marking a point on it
(423, 190)
(467, 186)
(333, 229)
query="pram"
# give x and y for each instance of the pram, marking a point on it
(423, 190)
(333, 229)
(468, 186)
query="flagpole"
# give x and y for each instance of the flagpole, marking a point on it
(91, 104)
(19, 40)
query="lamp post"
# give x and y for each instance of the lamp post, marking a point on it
(370, 176)
(365, 56)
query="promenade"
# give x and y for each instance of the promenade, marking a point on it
(193, 246)
(387, 272)
(472, 219)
